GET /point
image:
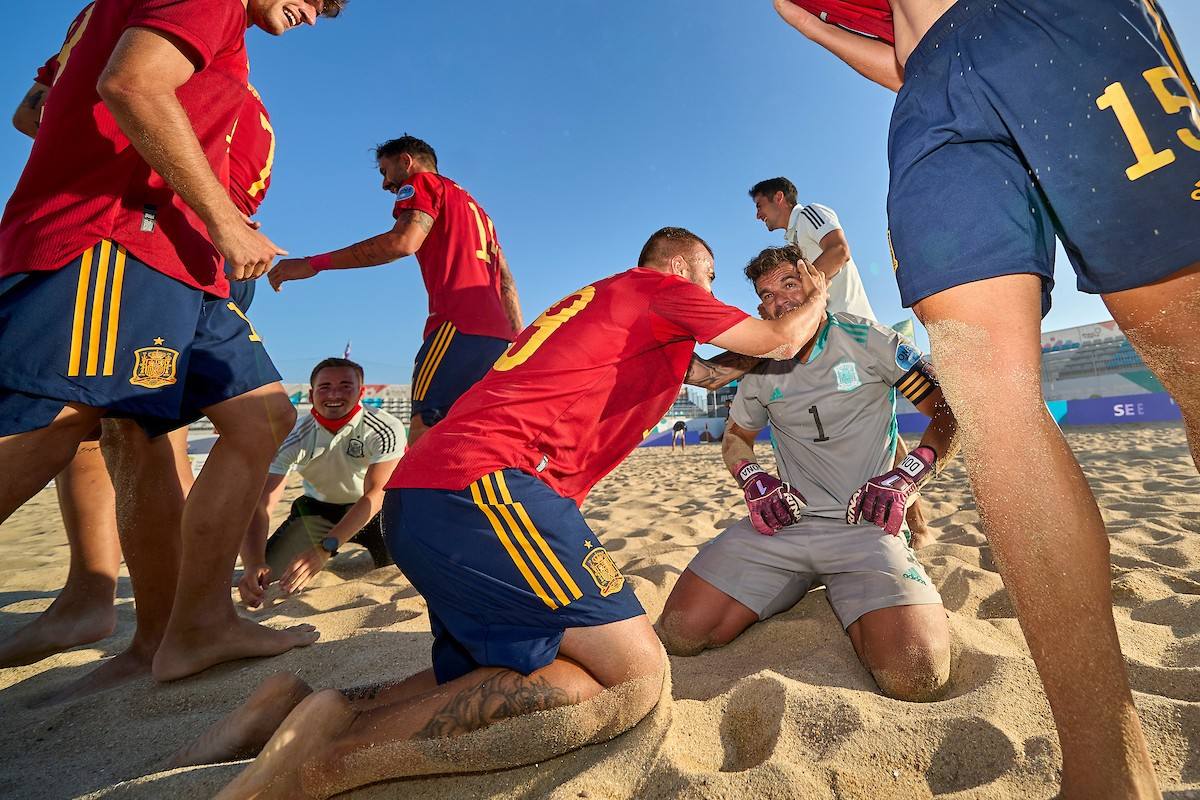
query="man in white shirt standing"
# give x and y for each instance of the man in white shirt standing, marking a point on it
(815, 229)
(346, 453)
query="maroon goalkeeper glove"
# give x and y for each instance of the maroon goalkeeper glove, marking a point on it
(883, 500)
(773, 504)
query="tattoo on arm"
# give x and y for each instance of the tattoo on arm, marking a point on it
(35, 99)
(720, 370)
(412, 215)
(373, 251)
(502, 696)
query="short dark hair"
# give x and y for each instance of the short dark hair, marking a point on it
(772, 258)
(665, 242)
(407, 145)
(331, 8)
(329, 363)
(770, 186)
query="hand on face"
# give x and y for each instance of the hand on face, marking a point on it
(789, 287)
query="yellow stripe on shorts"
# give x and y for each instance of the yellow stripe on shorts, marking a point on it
(542, 544)
(507, 516)
(93, 284)
(81, 294)
(433, 359)
(506, 541)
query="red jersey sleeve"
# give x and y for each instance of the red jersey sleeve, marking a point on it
(423, 192)
(46, 72)
(682, 310)
(205, 27)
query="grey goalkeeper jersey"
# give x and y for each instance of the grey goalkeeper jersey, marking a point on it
(833, 418)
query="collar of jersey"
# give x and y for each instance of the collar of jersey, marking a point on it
(819, 347)
(793, 219)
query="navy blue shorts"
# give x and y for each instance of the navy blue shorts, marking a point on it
(448, 363)
(242, 293)
(1022, 120)
(505, 566)
(107, 331)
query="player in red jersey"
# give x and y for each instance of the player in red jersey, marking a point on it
(473, 308)
(112, 302)
(489, 499)
(83, 611)
(1071, 119)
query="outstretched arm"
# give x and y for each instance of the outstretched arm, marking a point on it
(784, 337)
(720, 370)
(404, 239)
(871, 58)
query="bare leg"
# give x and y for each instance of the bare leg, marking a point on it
(327, 746)
(698, 616)
(244, 732)
(1044, 527)
(416, 429)
(29, 461)
(149, 504)
(1161, 321)
(906, 649)
(915, 516)
(204, 627)
(83, 611)
(183, 465)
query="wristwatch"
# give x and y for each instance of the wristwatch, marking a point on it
(330, 545)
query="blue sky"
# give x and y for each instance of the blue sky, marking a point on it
(581, 126)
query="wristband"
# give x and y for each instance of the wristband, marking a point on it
(322, 262)
(920, 464)
(745, 470)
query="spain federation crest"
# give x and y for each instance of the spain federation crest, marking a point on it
(154, 367)
(604, 572)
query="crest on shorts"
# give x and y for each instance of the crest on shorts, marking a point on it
(355, 448)
(154, 367)
(847, 376)
(603, 570)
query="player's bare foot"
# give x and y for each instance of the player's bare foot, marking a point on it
(65, 624)
(245, 731)
(131, 665)
(308, 731)
(184, 654)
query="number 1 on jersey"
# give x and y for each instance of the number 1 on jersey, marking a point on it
(821, 437)
(487, 236)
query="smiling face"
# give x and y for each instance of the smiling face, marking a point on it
(277, 17)
(335, 392)
(773, 211)
(780, 291)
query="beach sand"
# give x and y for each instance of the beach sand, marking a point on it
(785, 711)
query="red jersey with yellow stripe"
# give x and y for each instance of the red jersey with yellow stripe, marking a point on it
(84, 181)
(460, 258)
(48, 72)
(251, 155)
(869, 17)
(577, 391)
